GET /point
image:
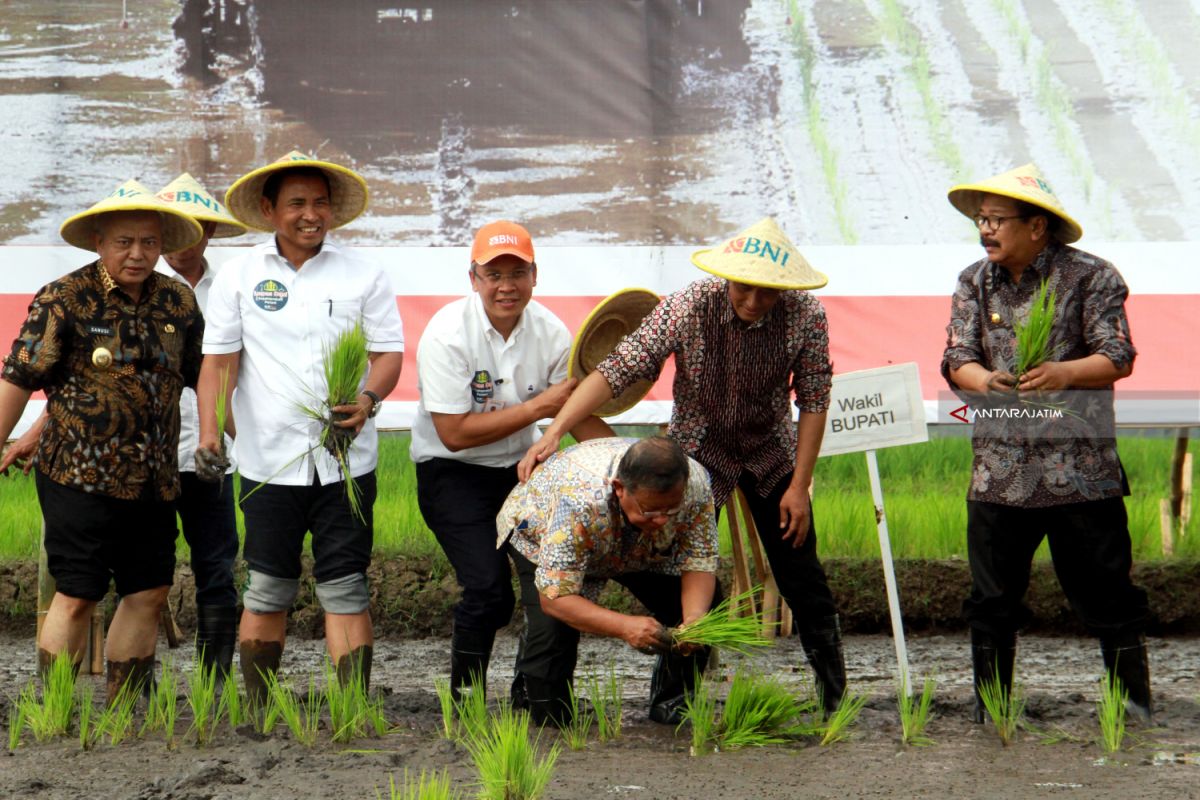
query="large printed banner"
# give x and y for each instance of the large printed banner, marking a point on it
(886, 305)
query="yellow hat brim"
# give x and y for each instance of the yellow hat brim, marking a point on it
(179, 231)
(967, 197)
(349, 190)
(613, 318)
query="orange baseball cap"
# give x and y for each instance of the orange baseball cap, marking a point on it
(501, 238)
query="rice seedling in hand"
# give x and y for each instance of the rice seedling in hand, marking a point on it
(576, 733)
(434, 786)
(914, 712)
(1033, 335)
(1004, 707)
(700, 714)
(606, 694)
(758, 711)
(509, 763)
(202, 698)
(1110, 711)
(51, 716)
(719, 628)
(162, 709)
(837, 726)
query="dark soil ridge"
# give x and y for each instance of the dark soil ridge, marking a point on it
(413, 597)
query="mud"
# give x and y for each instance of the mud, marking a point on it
(650, 761)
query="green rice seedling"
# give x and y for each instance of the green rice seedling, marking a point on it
(606, 694)
(758, 711)
(51, 716)
(347, 704)
(837, 726)
(231, 701)
(508, 761)
(914, 712)
(162, 708)
(302, 717)
(1004, 707)
(576, 733)
(375, 716)
(719, 628)
(1110, 711)
(222, 409)
(16, 720)
(471, 710)
(116, 721)
(700, 714)
(446, 702)
(1033, 335)
(88, 733)
(202, 698)
(431, 786)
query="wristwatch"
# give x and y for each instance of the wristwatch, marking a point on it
(376, 401)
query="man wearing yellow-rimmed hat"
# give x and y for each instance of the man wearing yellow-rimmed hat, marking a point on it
(1062, 480)
(270, 315)
(743, 342)
(489, 366)
(112, 345)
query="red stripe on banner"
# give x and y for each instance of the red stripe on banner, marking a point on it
(865, 332)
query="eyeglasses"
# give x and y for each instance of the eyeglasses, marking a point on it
(494, 278)
(992, 221)
(670, 513)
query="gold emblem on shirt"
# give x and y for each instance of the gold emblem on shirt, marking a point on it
(995, 318)
(169, 328)
(102, 357)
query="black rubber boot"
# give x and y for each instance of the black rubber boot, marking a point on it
(549, 701)
(991, 657)
(1125, 657)
(823, 646)
(673, 680)
(470, 652)
(216, 637)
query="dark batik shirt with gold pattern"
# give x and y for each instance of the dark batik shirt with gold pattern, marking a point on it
(1071, 459)
(113, 428)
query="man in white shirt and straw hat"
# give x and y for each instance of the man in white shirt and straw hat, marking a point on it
(744, 342)
(272, 313)
(1055, 479)
(112, 344)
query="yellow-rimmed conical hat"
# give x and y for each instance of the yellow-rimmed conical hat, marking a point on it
(1023, 183)
(179, 231)
(761, 255)
(613, 318)
(348, 188)
(187, 195)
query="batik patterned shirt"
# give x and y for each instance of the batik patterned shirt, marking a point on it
(732, 379)
(1069, 459)
(567, 520)
(112, 429)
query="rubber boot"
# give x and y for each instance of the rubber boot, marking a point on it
(470, 652)
(259, 659)
(549, 701)
(216, 636)
(1125, 658)
(356, 665)
(823, 646)
(671, 683)
(992, 657)
(137, 672)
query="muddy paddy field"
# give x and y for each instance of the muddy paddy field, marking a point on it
(1057, 754)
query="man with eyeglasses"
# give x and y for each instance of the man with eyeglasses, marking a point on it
(1061, 480)
(489, 366)
(637, 511)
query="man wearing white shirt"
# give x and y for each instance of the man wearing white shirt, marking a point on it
(273, 312)
(489, 366)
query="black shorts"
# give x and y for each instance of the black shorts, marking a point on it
(92, 539)
(278, 517)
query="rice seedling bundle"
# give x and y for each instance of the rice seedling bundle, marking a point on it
(1110, 713)
(1033, 335)
(345, 365)
(700, 712)
(1004, 707)
(51, 715)
(915, 712)
(837, 727)
(508, 760)
(758, 711)
(719, 628)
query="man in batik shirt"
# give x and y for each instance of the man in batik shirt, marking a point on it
(112, 344)
(1057, 476)
(639, 512)
(744, 342)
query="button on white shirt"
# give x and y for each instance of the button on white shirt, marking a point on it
(465, 366)
(281, 319)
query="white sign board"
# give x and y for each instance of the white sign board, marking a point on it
(875, 408)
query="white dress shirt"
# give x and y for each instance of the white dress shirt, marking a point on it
(465, 365)
(281, 319)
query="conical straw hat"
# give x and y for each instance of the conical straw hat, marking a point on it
(187, 195)
(761, 255)
(611, 320)
(1023, 183)
(348, 188)
(179, 231)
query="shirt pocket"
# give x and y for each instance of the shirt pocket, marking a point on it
(334, 316)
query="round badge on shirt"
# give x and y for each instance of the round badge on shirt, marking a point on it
(482, 387)
(270, 295)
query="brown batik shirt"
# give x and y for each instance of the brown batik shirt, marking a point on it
(1070, 459)
(112, 430)
(733, 379)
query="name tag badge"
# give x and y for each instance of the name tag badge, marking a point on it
(493, 404)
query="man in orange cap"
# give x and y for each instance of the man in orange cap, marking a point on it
(1060, 479)
(489, 366)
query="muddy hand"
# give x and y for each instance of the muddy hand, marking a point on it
(647, 635)
(210, 466)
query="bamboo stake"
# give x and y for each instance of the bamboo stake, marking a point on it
(741, 572)
(1167, 524)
